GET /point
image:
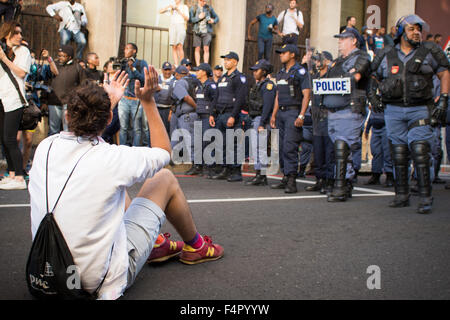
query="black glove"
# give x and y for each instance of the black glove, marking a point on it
(439, 114)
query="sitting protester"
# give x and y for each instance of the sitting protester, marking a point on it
(109, 236)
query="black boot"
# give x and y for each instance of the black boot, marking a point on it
(328, 187)
(389, 183)
(291, 185)
(258, 180)
(400, 154)
(281, 184)
(194, 170)
(374, 180)
(301, 172)
(420, 153)
(222, 175)
(316, 187)
(235, 176)
(340, 189)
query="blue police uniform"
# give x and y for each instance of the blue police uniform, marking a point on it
(204, 95)
(406, 90)
(182, 121)
(307, 143)
(164, 100)
(229, 100)
(290, 84)
(346, 119)
(379, 147)
(322, 145)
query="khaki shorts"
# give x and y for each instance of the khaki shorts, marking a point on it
(177, 34)
(143, 221)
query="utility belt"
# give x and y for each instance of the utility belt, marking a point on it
(292, 107)
(163, 106)
(131, 98)
(333, 110)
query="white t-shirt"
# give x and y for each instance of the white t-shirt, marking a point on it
(74, 16)
(8, 93)
(176, 17)
(91, 210)
(290, 18)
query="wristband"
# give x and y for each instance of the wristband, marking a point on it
(302, 117)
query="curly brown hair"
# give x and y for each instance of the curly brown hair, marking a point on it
(88, 110)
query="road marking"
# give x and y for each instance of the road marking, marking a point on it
(237, 199)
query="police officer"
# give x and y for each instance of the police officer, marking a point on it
(163, 97)
(184, 115)
(404, 74)
(260, 104)
(291, 103)
(230, 99)
(322, 145)
(205, 93)
(380, 149)
(346, 110)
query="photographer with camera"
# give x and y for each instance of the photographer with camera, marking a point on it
(129, 105)
(15, 63)
(203, 17)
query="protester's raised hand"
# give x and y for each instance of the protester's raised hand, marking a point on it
(115, 87)
(145, 94)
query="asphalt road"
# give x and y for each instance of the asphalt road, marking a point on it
(278, 247)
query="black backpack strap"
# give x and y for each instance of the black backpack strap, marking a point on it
(64, 187)
(14, 81)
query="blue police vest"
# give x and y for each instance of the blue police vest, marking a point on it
(203, 99)
(289, 89)
(332, 101)
(164, 95)
(226, 93)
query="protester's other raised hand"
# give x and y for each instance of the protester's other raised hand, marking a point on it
(115, 87)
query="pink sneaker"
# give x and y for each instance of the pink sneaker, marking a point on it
(165, 250)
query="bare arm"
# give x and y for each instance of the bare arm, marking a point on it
(444, 76)
(15, 69)
(249, 29)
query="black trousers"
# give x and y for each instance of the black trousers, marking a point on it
(11, 124)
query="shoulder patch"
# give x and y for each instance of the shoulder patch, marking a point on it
(302, 71)
(269, 86)
(243, 79)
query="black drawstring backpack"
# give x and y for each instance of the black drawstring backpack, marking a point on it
(50, 270)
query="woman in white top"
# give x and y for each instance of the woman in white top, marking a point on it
(17, 59)
(177, 29)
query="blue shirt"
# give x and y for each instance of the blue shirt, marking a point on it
(264, 23)
(134, 75)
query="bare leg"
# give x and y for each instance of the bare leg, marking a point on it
(180, 52)
(175, 55)
(164, 190)
(206, 54)
(27, 144)
(197, 56)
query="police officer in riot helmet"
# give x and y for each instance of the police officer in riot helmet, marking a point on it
(260, 104)
(346, 109)
(291, 104)
(403, 76)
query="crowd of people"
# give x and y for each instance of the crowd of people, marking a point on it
(394, 86)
